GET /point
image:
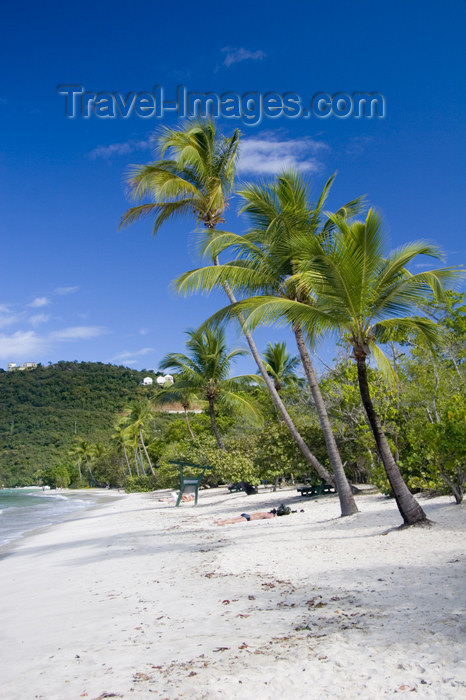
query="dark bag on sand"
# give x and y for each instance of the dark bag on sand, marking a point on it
(283, 510)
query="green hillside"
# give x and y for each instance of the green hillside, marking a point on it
(44, 409)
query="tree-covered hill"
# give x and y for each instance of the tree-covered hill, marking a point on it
(43, 410)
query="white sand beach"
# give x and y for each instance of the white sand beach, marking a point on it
(136, 598)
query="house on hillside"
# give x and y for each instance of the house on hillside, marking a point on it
(13, 367)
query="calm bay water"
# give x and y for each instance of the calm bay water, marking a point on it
(23, 510)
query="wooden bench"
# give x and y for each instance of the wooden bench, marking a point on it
(316, 489)
(235, 487)
(189, 484)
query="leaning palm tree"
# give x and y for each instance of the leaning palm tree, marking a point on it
(120, 440)
(182, 393)
(280, 365)
(137, 417)
(84, 452)
(205, 372)
(283, 224)
(368, 298)
(197, 179)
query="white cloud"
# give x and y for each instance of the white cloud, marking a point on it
(63, 291)
(28, 345)
(7, 318)
(144, 331)
(37, 319)
(268, 155)
(22, 344)
(127, 354)
(39, 301)
(78, 333)
(120, 149)
(357, 145)
(234, 55)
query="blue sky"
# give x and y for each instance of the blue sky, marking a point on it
(74, 288)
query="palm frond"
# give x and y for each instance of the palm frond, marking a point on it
(383, 363)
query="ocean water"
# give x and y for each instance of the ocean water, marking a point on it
(23, 510)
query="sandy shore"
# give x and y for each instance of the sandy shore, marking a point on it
(138, 599)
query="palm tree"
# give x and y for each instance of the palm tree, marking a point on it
(120, 439)
(367, 297)
(205, 372)
(137, 417)
(198, 180)
(280, 365)
(283, 223)
(84, 452)
(180, 392)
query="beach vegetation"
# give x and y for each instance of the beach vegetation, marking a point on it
(194, 176)
(205, 372)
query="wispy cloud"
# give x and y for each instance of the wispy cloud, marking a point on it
(128, 354)
(234, 55)
(269, 155)
(39, 301)
(63, 291)
(357, 145)
(78, 333)
(37, 319)
(22, 344)
(120, 149)
(7, 318)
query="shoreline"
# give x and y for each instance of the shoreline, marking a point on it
(96, 498)
(140, 598)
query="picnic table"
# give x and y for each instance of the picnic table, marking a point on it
(316, 489)
(190, 484)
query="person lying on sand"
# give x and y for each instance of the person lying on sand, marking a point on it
(258, 515)
(245, 518)
(173, 497)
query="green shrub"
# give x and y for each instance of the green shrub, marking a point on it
(140, 484)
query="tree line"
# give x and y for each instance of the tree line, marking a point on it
(318, 272)
(390, 410)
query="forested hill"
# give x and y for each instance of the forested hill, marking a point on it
(43, 410)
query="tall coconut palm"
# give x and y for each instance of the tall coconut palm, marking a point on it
(283, 223)
(84, 452)
(197, 180)
(280, 365)
(182, 393)
(367, 297)
(137, 418)
(205, 372)
(120, 440)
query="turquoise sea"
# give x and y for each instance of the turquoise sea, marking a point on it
(26, 509)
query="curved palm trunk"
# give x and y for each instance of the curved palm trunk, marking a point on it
(127, 461)
(347, 502)
(409, 508)
(136, 461)
(310, 458)
(188, 425)
(214, 425)
(90, 472)
(146, 453)
(141, 461)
